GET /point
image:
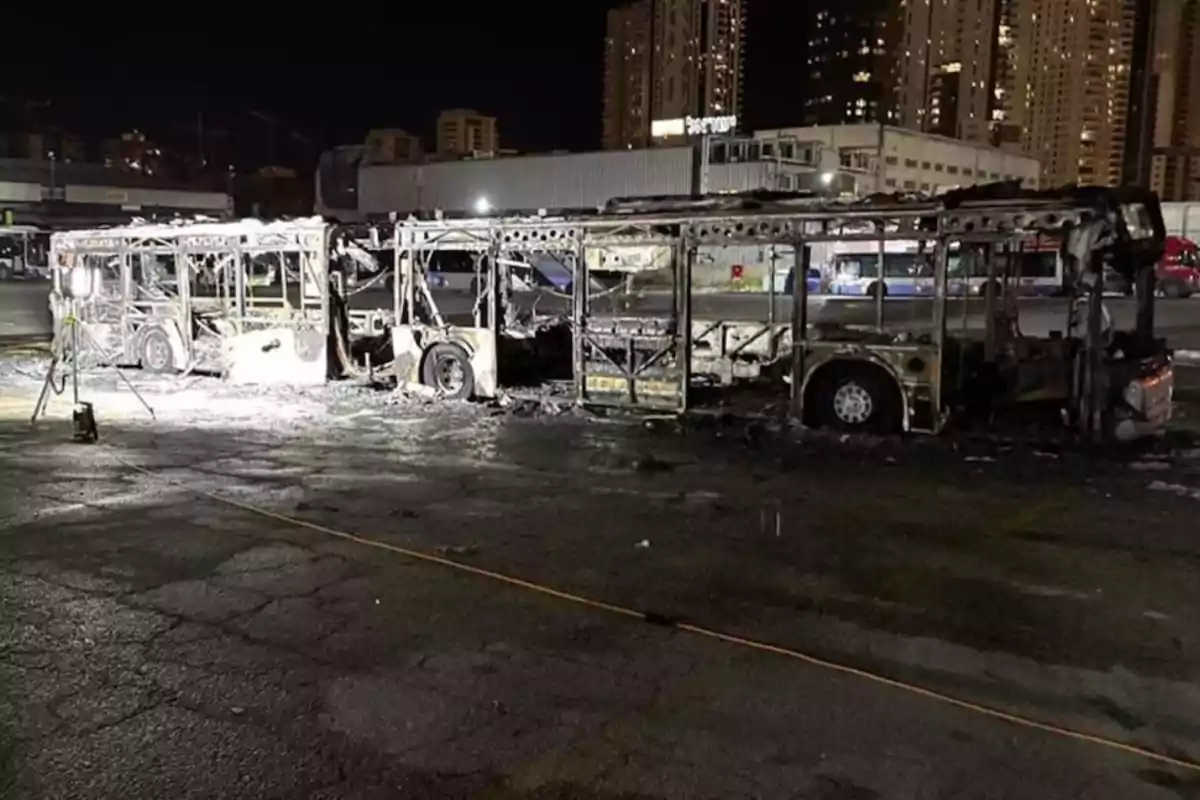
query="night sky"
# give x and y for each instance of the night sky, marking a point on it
(330, 80)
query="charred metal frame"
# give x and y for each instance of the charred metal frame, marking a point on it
(184, 296)
(649, 361)
(206, 311)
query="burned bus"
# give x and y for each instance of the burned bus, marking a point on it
(879, 365)
(253, 301)
(261, 302)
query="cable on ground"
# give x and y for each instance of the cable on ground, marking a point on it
(697, 630)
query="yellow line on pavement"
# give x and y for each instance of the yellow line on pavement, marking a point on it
(698, 630)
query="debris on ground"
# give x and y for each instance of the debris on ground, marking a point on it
(532, 406)
(551, 399)
(458, 550)
(652, 465)
(412, 389)
(1175, 488)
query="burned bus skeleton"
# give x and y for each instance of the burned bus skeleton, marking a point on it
(251, 300)
(638, 336)
(908, 376)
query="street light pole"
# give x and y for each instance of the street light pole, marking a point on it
(700, 148)
(879, 166)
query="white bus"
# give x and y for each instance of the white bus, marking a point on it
(24, 252)
(908, 270)
(1040, 270)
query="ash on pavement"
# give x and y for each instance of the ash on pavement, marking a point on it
(157, 643)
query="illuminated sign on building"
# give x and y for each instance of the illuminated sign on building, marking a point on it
(692, 126)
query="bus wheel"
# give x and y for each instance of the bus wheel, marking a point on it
(156, 355)
(447, 368)
(5, 273)
(1173, 287)
(876, 289)
(855, 399)
(997, 289)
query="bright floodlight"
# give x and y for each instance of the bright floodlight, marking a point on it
(82, 282)
(482, 206)
(827, 178)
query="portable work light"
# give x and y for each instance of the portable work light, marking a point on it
(82, 283)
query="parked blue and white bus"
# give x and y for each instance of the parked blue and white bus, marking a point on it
(1039, 271)
(908, 272)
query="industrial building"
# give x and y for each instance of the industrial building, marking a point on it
(912, 161)
(834, 160)
(466, 132)
(1182, 219)
(57, 195)
(352, 189)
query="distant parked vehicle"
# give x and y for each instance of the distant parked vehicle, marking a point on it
(814, 284)
(24, 253)
(1177, 273)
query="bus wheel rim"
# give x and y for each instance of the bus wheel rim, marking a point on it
(852, 403)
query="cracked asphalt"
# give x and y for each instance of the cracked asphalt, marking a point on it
(157, 643)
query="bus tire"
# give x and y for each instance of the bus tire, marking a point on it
(997, 289)
(5, 272)
(447, 368)
(855, 398)
(155, 351)
(876, 289)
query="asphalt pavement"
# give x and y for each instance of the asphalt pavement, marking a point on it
(158, 641)
(24, 309)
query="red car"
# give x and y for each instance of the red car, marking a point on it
(1178, 272)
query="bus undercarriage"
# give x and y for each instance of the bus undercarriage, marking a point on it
(632, 332)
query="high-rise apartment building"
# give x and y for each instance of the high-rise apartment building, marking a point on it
(626, 117)
(1048, 78)
(851, 62)
(668, 59)
(1071, 84)
(1139, 125)
(464, 131)
(1174, 84)
(952, 57)
(392, 146)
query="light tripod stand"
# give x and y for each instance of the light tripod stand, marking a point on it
(66, 350)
